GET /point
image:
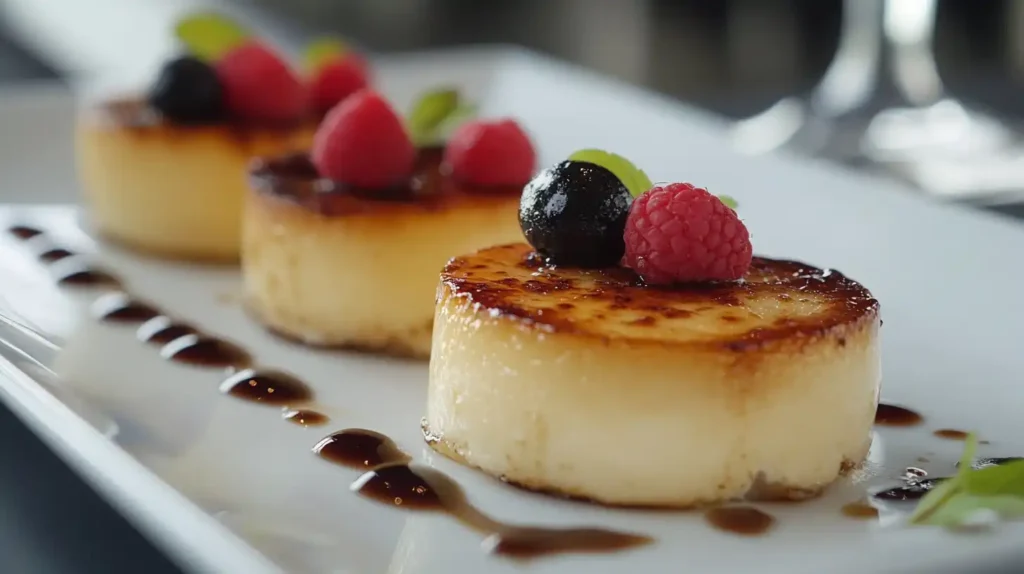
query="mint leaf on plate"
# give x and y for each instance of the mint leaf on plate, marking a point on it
(959, 500)
(635, 180)
(435, 113)
(208, 35)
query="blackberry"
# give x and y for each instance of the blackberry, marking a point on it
(188, 91)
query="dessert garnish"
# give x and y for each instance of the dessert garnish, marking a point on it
(435, 114)
(678, 233)
(635, 180)
(974, 494)
(490, 153)
(226, 72)
(259, 85)
(336, 72)
(188, 91)
(362, 142)
(574, 213)
(597, 209)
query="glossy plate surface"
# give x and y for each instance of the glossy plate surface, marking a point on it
(228, 486)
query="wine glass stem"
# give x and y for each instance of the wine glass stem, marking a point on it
(885, 50)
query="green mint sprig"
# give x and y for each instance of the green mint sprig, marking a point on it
(435, 114)
(960, 498)
(635, 180)
(321, 51)
(209, 35)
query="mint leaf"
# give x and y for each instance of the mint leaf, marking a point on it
(934, 500)
(962, 509)
(429, 112)
(1003, 480)
(208, 35)
(959, 500)
(635, 180)
(729, 201)
(321, 51)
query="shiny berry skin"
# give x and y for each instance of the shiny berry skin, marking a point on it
(337, 80)
(574, 213)
(188, 91)
(260, 86)
(679, 233)
(490, 153)
(363, 143)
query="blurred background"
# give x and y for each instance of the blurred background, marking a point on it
(925, 91)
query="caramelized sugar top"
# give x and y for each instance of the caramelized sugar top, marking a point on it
(775, 300)
(430, 188)
(136, 114)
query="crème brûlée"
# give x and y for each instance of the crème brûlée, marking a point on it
(588, 383)
(329, 264)
(169, 189)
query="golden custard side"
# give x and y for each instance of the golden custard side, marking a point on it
(585, 383)
(334, 266)
(172, 190)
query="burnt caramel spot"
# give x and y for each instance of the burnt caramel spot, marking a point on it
(294, 178)
(512, 281)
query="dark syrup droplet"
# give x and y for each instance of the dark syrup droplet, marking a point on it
(162, 330)
(24, 231)
(267, 387)
(860, 510)
(78, 274)
(743, 520)
(422, 488)
(911, 490)
(951, 434)
(305, 417)
(121, 308)
(360, 449)
(895, 416)
(992, 461)
(55, 254)
(206, 351)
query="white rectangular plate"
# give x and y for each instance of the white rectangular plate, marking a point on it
(227, 486)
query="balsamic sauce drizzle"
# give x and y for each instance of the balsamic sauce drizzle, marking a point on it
(388, 475)
(416, 487)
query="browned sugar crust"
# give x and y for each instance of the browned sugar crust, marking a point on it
(614, 304)
(293, 180)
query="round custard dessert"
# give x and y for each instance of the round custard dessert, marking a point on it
(171, 189)
(331, 264)
(589, 383)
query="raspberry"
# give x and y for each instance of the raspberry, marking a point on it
(259, 85)
(336, 80)
(682, 233)
(490, 153)
(362, 142)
